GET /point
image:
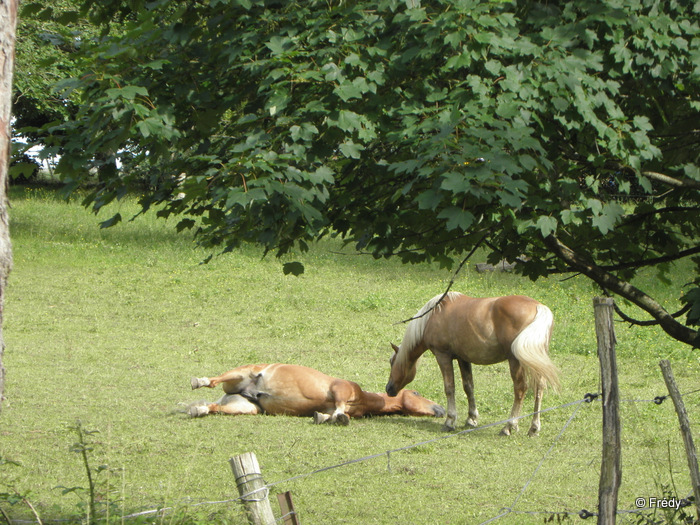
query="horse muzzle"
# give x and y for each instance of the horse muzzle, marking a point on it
(391, 389)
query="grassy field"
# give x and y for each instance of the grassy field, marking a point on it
(107, 326)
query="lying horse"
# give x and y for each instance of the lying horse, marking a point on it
(300, 391)
(481, 332)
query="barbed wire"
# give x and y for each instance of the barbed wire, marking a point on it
(658, 399)
(583, 513)
(508, 510)
(586, 399)
(422, 443)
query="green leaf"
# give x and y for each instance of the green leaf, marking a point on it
(457, 218)
(349, 121)
(332, 72)
(150, 126)
(571, 217)
(279, 45)
(547, 225)
(304, 132)
(351, 150)
(23, 169)
(455, 182)
(349, 90)
(608, 218)
(429, 200)
(322, 175)
(127, 92)
(692, 171)
(509, 199)
(692, 297)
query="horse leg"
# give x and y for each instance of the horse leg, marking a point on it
(237, 405)
(519, 390)
(340, 392)
(231, 404)
(468, 384)
(448, 379)
(535, 426)
(233, 381)
(321, 417)
(338, 417)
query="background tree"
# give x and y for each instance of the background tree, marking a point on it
(48, 38)
(416, 129)
(8, 24)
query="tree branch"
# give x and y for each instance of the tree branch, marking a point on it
(452, 281)
(636, 322)
(670, 181)
(624, 289)
(653, 261)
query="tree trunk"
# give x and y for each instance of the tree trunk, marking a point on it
(8, 25)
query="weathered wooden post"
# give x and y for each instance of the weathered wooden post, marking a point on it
(252, 489)
(289, 515)
(610, 470)
(685, 430)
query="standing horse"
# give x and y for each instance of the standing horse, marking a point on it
(300, 391)
(481, 332)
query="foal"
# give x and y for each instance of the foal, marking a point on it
(295, 390)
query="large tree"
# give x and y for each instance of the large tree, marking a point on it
(8, 24)
(49, 35)
(566, 132)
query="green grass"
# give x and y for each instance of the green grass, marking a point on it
(107, 326)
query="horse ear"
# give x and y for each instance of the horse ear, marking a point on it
(396, 348)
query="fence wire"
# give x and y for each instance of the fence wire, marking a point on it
(508, 510)
(582, 513)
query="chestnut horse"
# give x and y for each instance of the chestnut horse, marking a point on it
(481, 332)
(300, 391)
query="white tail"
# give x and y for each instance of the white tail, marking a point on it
(531, 348)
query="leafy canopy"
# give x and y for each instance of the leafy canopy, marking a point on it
(563, 132)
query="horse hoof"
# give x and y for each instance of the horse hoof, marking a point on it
(343, 420)
(318, 418)
(198, 411)
(505, 431)
(471, 423)
(199, 382)
(448, 428)
(533, 432)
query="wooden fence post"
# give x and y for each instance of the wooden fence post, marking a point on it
(252, 489)
(289, 515)
(610, 470)
(685, 430)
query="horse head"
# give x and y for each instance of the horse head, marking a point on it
(416, 405)
(402, 372)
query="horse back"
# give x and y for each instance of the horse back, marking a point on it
(479, 330)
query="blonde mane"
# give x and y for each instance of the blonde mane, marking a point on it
(416, 328)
